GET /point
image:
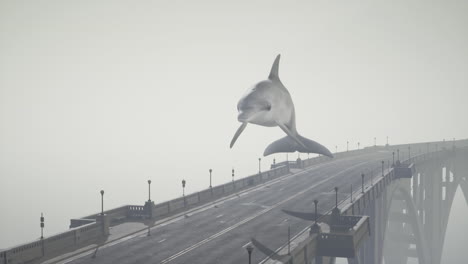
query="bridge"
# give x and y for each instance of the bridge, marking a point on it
(219, 224)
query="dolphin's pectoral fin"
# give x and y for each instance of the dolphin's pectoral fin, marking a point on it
(238, 132)
(289, 133)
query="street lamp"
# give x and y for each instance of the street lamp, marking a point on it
(393, 158)
(375, 141)
(249, 251)
(210, 176)
(149, 190)
(336, 197)
(183, 187)
(102, 202)
(233, 174)
(347, 146)
(382, 168)
(42, 226)
(358, 145)
(316, 216)
(259, 165)
(336, 149)
(387, 140)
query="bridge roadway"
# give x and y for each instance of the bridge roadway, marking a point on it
(219, 233)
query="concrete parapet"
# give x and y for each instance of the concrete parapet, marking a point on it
(161, 209)
(43, 249)
(176, 205)
(192, 199)
(79, 222)
(218, 191)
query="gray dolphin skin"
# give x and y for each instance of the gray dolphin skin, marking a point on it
(268, 103)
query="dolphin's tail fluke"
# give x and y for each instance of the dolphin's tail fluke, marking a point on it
(288, 144)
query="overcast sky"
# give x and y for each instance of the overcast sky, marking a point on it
(107, 94)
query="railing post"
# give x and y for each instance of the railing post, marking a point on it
(362, 175)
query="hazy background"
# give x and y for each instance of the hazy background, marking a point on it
(108, 94)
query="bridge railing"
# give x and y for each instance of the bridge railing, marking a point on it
(46, 248)
(362, 198)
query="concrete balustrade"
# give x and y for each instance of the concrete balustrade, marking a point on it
(46, 248)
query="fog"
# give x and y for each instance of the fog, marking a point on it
(108, 94)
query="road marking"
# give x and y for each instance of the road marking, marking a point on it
(219, 216)
(248, 219)
(160, 241)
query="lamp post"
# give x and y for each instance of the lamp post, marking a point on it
(102, 202)
(316, 216)
(336, 197)
(393, 158)
(358, 145)
(387, 140)
(362, 176)
(371, 172)
(42, 226)
(259, 165)
(183, 187)
(409, 153)
(210, 176)
(336, 149)
(375, 141)
(232, 174)
(149, 190)
(347, 146)
(351, 193)
(249, 251)
(382, 168)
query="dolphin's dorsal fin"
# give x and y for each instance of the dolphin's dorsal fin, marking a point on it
(274, 69)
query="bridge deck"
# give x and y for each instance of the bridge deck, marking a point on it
(217, 234)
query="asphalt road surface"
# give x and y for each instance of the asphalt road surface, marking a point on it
(219, 233)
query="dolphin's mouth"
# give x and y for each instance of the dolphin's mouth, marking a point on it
(244, 117)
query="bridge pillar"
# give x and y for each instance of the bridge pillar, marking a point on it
(105, 223)
(149, 205)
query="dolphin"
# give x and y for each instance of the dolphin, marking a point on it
(268, 103)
